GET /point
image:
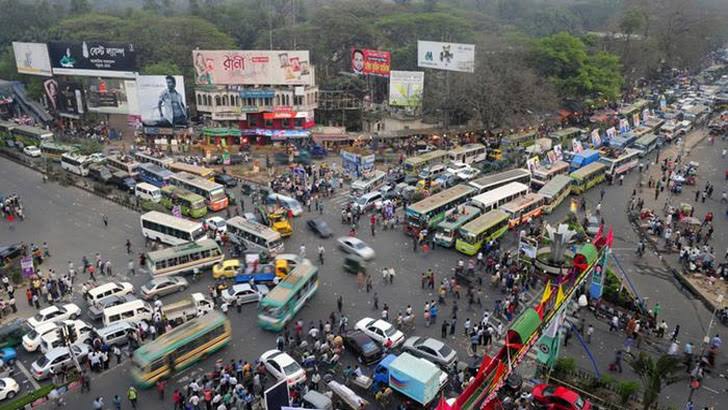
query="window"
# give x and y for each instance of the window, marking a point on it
(217, 100)
(199, 100)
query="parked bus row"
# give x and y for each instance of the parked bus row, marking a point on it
(466, 154)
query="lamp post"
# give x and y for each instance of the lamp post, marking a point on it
(706, 342)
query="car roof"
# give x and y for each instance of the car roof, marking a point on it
(432, 343)
(358, 336)
(241, 286)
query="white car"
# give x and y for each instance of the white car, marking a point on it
(58, 359)
(380, 331)
(217, 224)
(244, 293)
(32, 339)
(282, 366)
(31, 151)
(468, 174)
(54, 313)
(456, 167)
(8, 388)
(349, 244)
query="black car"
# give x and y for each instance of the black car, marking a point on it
(11, 251)
(226, 180)
(411, 179)
(123, 181)
(320, 227)
(366, 350)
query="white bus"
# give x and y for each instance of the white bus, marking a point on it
(647, 143)
(495, 198)
(468, 153)
(254, 235)
(184, 258)
(368, 184)
(214, 193)
(74, 163)
(626, 161)
(123, 163)
(488, 182)
(146, 158)
(542, 175)
(169, 229)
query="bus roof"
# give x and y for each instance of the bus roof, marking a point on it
(252, 226)
(193, 169)
(180, 223)
(627, 152)
(7, 125)
(200, 182)
(123, 159)
(466, 214)
(555, 167)
(182, 193)
(592, 168)
(466, 148)
(57, 146)
(520, 202)
(511, 188)
(565, 132)
(434, 201)
(185, 248)
(292, 283)
(34, 131)
(636, 106)
(646, 139)
(485, 221)
(146, 157)
(489, 180)
(155, 169)
(554, 186)
(427, 156)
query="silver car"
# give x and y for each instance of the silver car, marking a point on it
(244, 293)
(350, 244)
(58, 359)
(158, 287)
(96, 311)
(431, 349)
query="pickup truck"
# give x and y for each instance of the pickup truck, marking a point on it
(415, 378)
(193, 306)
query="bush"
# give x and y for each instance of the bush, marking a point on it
(152, 206)
(565, 365)
(102, 189)
(626, 389)
(22, 401)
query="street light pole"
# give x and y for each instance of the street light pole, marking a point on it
(706, 341)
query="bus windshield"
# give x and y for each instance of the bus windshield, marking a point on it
(217, 194)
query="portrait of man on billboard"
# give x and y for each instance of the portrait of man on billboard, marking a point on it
(171, 106)
(357, 61)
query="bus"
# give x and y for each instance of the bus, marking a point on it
(626, 161)
(195, 170)
(542, 175)
(368, 184)
(254, 235)
(565, 135)
(154, 174)
(31, 135)
(447, 230)
(123, 163)
(213, 192)
(185, 258)
(282, 303)
(413, 165)
(190, 204)
(584, 178)
(521, 139)
(180, 348)
(169, 229)
(147, 158)
(432, 210)
(76, 164)
(647, 143)
(555, 191)
(523, 209)
(488, 182)
(54, 151)
(495, 198)
(468, 153)
(483, 229)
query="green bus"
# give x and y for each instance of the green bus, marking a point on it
(285, 300)
(483, 229)
(413, 165)
(54, 151)
(447, 230)
(588, 176)
(190, 204)
(432, 210)
(180, 348)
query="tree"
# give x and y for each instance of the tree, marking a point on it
(80, 7)
(655, 375)
(162, 68)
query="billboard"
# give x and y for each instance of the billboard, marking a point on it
(162, 101)
(93, 58)
(32, 58)
(107, 95)
(251, 67)
(70, 99)
(370, 62)
(405, 88)
(446, 56)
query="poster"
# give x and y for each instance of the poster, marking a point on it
(70, 98)
(32, 58)
(636, 120)
(596, 139)
(93, 58)
(162, 102)
(611, 133)
(26, 266)
(370, 62)
(576, 146)
(446, 56)
(107, 95)
(251, 67)
(559, 152)
(405, 88)
(598, 274)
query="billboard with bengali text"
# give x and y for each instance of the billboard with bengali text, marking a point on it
(405, 88)
(252, 67)
(370, 62)
(446, 56)
(93, 58)
(162, 102)
(32, 58)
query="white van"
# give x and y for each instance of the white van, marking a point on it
(432, 172)
(134, 311)
(148, 192)
(108, 289)
(116, 334)
(53, 339)
(32, 339)
(286, 202)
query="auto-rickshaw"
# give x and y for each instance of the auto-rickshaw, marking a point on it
(354, 264)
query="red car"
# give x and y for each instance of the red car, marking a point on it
(559, 398)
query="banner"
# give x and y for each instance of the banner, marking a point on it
(162, 101)
(405, 88)
(596, 139)
(559, 152)
(550, 341)
(32, 58)
(645, 115)
(70, 97)
(623, 126)
(26, 266)
(107, 95)
(446, 56)
(250, 67)
(576, 146)
(598, 274)
(611, 132)
(370, 62)
(636, 120)
(93, 58)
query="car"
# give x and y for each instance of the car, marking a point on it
(8, 388)
(58, 359)
(32, 151)
(554, 397)
(123, 182)
(244, 293)
(226, 180)
(364, 348)
(356, 246)
(592, 225)
(158, 287)
(216, 223)
(411, 179)
(8, 355)
(96, 311)
(319, 227)
(431, 349)
(32, 339)
(11, 251)
(227, 269)
(468, 174)
(54, 313)
(97, 157)
(446, 180)
(380, 330)
(282, 366)
(456, 167)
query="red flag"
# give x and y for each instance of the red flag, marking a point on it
(610, 237)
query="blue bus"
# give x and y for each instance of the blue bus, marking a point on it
(154, 174)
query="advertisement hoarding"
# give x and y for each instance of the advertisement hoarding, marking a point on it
(250, 67)
(93, 58)
(370, 62)
(446, 56)
(107, 95)
(405, 88)
(162, 101)
(65, 97)
(32, 58)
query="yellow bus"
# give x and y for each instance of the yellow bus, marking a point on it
(202, 172)
(542, 175)
(555, 191)
(588, 176)
(483, 229)
(523, 209)
(413, 166)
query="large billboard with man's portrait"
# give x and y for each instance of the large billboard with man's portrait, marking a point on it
(252, 67)
(161, 100)
(446, 56)
(370, 62)
(93, 58)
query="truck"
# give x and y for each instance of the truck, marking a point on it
(415, 378)
(193, 306)
(583, 159)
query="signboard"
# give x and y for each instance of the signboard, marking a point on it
(576, 146)
(405, 88)
(277, 396)
(598, 274)
(93, 58)
(107, 95)
(162, 101)
(177, 211)
(446, 56)
(258, 93)
(636, 120)
(32, 58)
(370, 62)
(70, 98)
(611, 132)
(596, 139)
(252, 67)
(26, 266)
(559, 152)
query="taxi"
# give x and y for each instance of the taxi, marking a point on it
(226, 269)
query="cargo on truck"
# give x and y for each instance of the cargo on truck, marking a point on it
(189, 308)
(416, 378)
(583, 159)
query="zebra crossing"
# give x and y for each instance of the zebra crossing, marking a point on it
(341, 198)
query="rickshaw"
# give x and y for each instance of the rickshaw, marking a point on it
(354, 264)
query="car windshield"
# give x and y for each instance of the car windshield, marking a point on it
(389, 330)
(198, 234)
(368, 346)
(358, 245)
(445, 351)
(291, 368)
(33, 335)
(42, 361)
(38, 317)
(579, 402)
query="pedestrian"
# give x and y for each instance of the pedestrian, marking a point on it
(617, 365)
(321, 252)
(161, 385)
(106, 221)
(339, 303)
(589, 333)
(675, 333)
(116, 402)
(117, 353)
(99, 403)
(375, 301)
(614, 324)
(128, 247)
